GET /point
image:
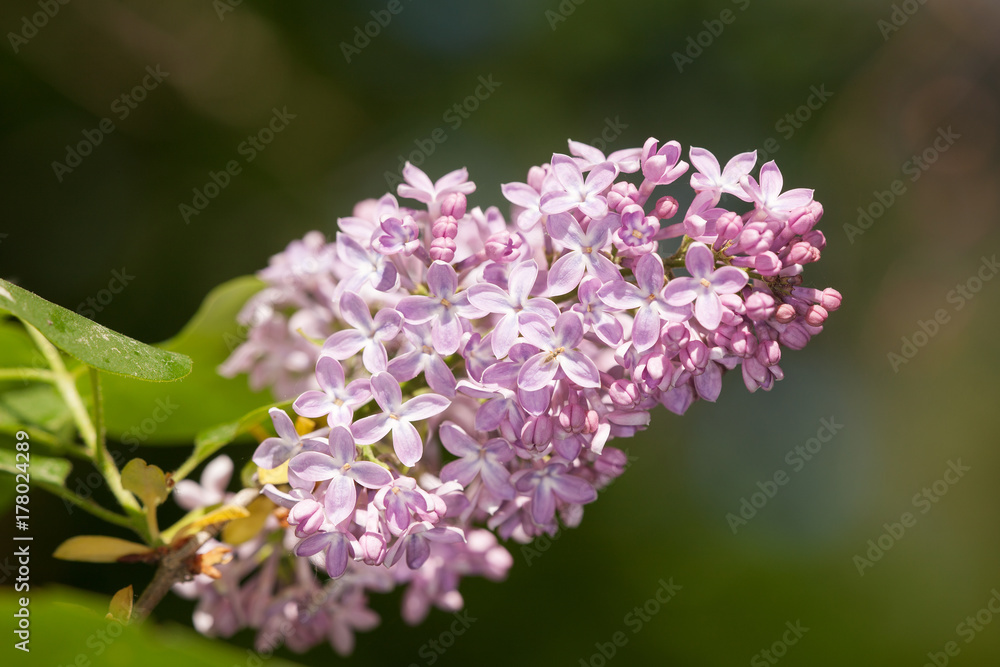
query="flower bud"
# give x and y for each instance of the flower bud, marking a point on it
(694, 357)
(454, 205)
(445, 226)
(785, 313)
(503, 247)
(537, 432)
(760, 306)
(666, 208)
(442, 249)
(624, 394)
(307, 517)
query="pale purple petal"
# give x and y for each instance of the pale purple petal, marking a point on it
(313, 466)
(580, 368)
(423, 406)
(681, 291)
(341, 496)
(441, 279)
(504, 334)
(313, 404)
(406, 442)
(342, 445)
(462, 471)
(728, 280)
(418, 309)
(537, 372)
(708, 310)
(699, 261)
(370, 430)
(386, 391)
(354, 311)
(572, 489)
(645, 328)
(345, 344)
(489, 297)
(283, 425)
(566, 273)
(369, 474)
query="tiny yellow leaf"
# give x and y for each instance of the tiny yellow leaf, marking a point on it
(220, 515)
(145, 481)
(241, 530)
(277, 475)
(121, 605)
(304, 425)
(98, 549)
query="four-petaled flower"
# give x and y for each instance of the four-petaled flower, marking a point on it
(557, 350)
(336, 400)
(342, 470)
(576, 193)
(444, 308)
(367, 336)
(647, 297)
(485, 461)
(767, 196)
(704, 286)
(397, 417)
(585, 254)
(551, 483)
(272, 452)
(710, 178)
(397, 236)
(514, 303)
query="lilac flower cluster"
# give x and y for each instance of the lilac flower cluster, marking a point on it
(471, 372)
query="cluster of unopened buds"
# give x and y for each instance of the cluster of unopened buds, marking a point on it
(471, 372)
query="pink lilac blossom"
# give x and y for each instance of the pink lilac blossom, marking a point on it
(474, 373)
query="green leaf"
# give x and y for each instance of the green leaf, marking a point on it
(37, 405)
(16, 348)
(69, 627)
(120, 608)
(45, 469)
(90, 342)
(140, 413)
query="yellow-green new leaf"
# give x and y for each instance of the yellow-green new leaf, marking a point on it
(222, 515)
(98, 549)
(146, 482)
(120, 608)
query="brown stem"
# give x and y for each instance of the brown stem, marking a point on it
(174, 567)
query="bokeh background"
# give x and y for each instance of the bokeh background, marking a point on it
(895, 78)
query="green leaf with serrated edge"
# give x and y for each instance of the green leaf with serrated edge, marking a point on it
(213, 439)
(139, 413)
(90, 342)
(41, 468)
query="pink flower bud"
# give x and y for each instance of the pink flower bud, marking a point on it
(445, 226)
(622, 194)
(503, 247)
(831, 299)
(307, 517)
(442, 249)
(675, 336)
(537, 432)
(785, 313)
(760, 306)
(624, 394)
(816, 315)
(666, 208)
(694, 357)
(373, 548)
(454, 205)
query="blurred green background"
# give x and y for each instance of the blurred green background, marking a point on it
(895, 77)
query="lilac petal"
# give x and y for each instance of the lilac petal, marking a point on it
(497, 480)
(601, 176)
(369, 474)
(543, 504)
(706, 163)
(504, 334)
(771, 181)
(313, 404)
(313, 466)
(447, 334)
(271, 453)
(406, 442)
(699, 261)
(374, 357)
(283, 425)
(423, 406)
(488, 416)
(489, 297)
(521, 194)
(536, 332)
(535, 402)
(312, 545)
(457, 181)
(344, 344)
(709, 384)
(553, 203)
(462, 471)
(406, 366)
(544, 308)
(604, 268)
(620, 294)
(337, 556)
(796, 198)
(537, 372)
(342, 445)
(566, 273)
(567, 171)
(418, 185)
(358, 392)
(708, 310)
(457, 441)
(728, 280)
(418, 309)
(418, 550)
(568, 330)
(522, 280)
(649, 273)
(397, 514)
(645, 328)
(370, 430)
(580, 368)
(442, 280)
(559, 224)
(681, 291)
(573, 489)
(341, 496)
(387, 322)
(439, 377)
(594, 206)
(217, 474)
(355, 311)
(329, 374)
(386, 391)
